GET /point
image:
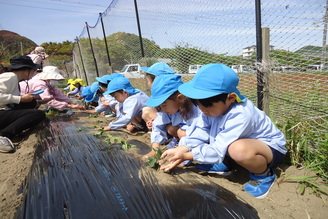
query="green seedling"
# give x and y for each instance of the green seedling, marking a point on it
(126, 145)
(153, 162)
(81, 129)
(114, 140)
(99, 133)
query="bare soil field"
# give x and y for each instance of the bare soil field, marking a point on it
(284, 200)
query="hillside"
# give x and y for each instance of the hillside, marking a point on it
(12, 44)
(310, 51)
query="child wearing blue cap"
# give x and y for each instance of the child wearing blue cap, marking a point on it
(159, 68)
(176, 112)
(231, 127)
(107, 103)
(92, 96)
(131, 101)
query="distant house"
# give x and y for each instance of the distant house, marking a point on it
(251, 50)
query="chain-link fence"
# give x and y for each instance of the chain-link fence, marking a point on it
(189, 33)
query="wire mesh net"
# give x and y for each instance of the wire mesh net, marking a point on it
(189, 34)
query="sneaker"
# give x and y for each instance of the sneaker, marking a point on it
(172, 144)
(6, 145)
(218, 168)
(259, 186)
(110, 115)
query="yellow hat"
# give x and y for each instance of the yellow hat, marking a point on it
(79, 81)
(70, 81)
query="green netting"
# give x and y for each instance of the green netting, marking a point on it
(197, 32)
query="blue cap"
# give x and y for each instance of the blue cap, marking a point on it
(89, 92)
(158, 69)
(211, 80)
(163, 87)
(107, 78)
(120, 83)
(86, 94)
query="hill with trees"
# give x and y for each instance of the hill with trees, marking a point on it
(12, 44)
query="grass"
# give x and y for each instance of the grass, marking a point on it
(308, 148)
(308, 182)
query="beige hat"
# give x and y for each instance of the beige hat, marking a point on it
(49, 73)
(39, 49)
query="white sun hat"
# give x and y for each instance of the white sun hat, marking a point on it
(49, 73)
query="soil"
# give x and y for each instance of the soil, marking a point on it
(285, 199)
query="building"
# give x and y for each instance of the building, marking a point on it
(251, 50)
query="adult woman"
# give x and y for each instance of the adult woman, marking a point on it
(17, 111)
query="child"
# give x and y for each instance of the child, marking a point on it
(70, 86)
(231, 127)
(16, 111)
(149, 113)
(52, 96)
(176, 111)
(131, 101)
(79, 85)
(91, 95)
(107, 103)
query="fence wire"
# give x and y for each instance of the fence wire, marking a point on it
(191, 33)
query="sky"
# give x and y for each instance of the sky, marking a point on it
(49, 20)
(224, 26)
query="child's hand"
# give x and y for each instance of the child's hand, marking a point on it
(149, 124)
(130, 127)
(106, 128)
(173, 157)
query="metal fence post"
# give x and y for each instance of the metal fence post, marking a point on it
(106, 45)
(93, 54)
(85, 73)
(259, 54)
(139, 29)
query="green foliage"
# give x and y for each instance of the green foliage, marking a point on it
(114, 140)
(12, 44)
(59, 53)
(52, 113)
(301, 58)
(184, 55)
(123, 48)
(153, 162)
(308, 148)
(305, 146)
(308, 182)
(81, 129)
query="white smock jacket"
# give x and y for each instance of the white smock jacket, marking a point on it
(129, 109)
(211, 136)
(159, 133)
